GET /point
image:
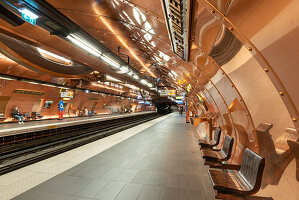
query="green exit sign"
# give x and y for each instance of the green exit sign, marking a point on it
(29, 19)
(29, 16)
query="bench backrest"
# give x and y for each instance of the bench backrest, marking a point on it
(1, 114)
(251, 170)
(27, 114)
(227, 146)
(217, 134)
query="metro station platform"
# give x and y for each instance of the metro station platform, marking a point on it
(157, 160)
(7, 129)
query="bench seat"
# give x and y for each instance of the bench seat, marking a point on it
(245, 181)
(222, 154)
(225, 182)
(213, 142)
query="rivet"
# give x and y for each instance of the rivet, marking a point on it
(266, 70)
(247, 114)
(232, 86)
(222, 72)
(241, 100)
(213, 11)
(281, 93)
(252, 130)
(231, 28)
(249, 48)
(294, 119)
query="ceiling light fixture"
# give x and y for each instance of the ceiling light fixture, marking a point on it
(143, 81)
(109, 61)
(106, 87)
(110, 78)
(42, 51)
(84, 45)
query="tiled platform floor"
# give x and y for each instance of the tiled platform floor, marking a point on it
(162, 162)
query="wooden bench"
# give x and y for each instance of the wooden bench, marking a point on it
(246, 181)
(213, 142)
(2, 118)
(219, 155)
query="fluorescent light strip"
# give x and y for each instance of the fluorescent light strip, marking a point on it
(143, 81)
(106, 87)
(54, 55)
(110, 78)
(5, 78)
(49, 85)
(84, 45)
(110, 61)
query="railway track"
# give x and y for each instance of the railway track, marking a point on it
(21, 153)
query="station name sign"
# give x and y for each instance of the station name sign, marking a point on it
(30, 92)
(178, 16)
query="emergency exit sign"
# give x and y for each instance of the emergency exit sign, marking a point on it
(29, 16)
(29, 19)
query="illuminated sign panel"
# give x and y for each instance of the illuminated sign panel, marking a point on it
(178, 16)
(67, 94)
(167, 92)
(29, 16)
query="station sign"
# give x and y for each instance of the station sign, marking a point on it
(167, 92)
(67, 94)
(179, 97)
(178, 14)
(30, 92)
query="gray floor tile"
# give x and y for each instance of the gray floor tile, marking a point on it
(159, 178)
(129, 192)
(112, 174)
(127, 175)
(177, 181)
(90, 190)
(149, 192)
(74, 187)
(110, 191)
(143, 177)
(174, 194)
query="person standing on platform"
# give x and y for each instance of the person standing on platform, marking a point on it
(86, 112)
(60, 107)
(17, 114)
(181, 110)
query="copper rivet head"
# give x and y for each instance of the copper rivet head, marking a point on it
(212, 11)
(294, 119)
(266, 70)
(281, 93)
(252, 130)
(231, 28)
(249, 48)
(246, 114)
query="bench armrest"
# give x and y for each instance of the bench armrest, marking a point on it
(222, 166)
